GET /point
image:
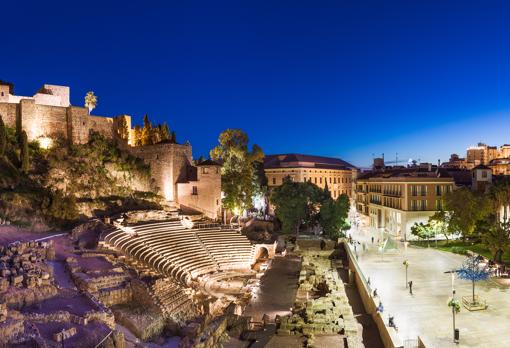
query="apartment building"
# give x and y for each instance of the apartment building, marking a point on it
(395, 199)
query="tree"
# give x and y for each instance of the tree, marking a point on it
(465, 209)
(146, 131)
(293, 203)
(24, 153)
(90, 101)
(333, 215)
(423, 231)
(156, 134)
(497, 239)
(164, 132)
(473, 270)
(122, 128)
(440, 222)
(238, 171)
(173, 138)
(138, 135)
(3, 137)
(495, 229)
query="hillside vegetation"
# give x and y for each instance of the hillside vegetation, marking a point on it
(59, 186)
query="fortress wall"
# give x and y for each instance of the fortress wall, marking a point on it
(8, 112)
(77, 125)
(102, 125)
(45, 121)
(42, 120)
(168, 163)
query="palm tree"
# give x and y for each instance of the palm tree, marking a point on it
(90, 101)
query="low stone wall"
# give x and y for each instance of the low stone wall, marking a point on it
(388, 335)
(9, 329)
(316, 244)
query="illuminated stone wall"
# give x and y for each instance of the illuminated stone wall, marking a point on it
(169, 164)
(48, 115)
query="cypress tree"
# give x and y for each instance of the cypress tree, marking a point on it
(173, 137)
(146, 131)
(3, 137)
(24, 153)
(164, 132)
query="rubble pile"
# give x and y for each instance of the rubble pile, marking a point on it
(322, 306)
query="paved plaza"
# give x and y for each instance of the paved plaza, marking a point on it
(425, 313)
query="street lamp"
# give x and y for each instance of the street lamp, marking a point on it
(406, 264)
(454, 303)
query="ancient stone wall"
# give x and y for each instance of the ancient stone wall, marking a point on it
(8, 112)
(168, 162)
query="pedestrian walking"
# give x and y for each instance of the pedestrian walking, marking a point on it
(410, 287)
(372, 239)
(368, 281)
(375, 292)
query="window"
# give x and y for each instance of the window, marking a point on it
(217, 170)
(2, 94)
(438, 190)
(194, 191)
(320, 180)
(274, 181)
(330, 180)
(315, 180)
(484, 174)
(335, 181)
(205, 170)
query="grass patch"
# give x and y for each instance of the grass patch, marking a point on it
(462, 248)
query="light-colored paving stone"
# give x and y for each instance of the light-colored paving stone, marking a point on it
(425, 313)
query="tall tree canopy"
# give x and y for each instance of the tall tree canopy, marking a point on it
(295, 203)
(146, 131)
(466, 209)
(333, 215)
(238, 174)
(299, 203)
(496, 227)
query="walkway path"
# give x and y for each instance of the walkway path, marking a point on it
(277, 289)
(425, 313)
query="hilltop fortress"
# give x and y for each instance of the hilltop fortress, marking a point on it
(48, 114)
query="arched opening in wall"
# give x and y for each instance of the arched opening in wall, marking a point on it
(261, 259)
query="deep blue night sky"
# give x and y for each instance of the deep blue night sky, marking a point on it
(336, 78)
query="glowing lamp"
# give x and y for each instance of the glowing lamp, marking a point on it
(45, 142)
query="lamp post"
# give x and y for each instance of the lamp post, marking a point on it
(454, 304)
(406, 264)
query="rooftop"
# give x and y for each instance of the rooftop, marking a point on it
(295, 160)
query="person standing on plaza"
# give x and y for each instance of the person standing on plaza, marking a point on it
(410, 287)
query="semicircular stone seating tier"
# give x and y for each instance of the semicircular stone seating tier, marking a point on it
(180, 253)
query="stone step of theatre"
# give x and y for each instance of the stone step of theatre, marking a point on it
(180, 253)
